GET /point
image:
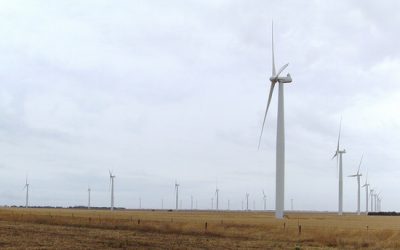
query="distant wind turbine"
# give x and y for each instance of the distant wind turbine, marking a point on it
(265, 200)
(89, 197)
(247, 201)
(280, 137)
(358, 175)
(217, 196)
(176, 195)
(339, 155)
(371, 193)
(112, 177)
(26, 186)
(379, 203)
(366, 185)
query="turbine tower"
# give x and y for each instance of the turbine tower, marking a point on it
(265, 200)
(247, 201)
(366, 185)
(89, 197)
(217, 196)
(376, 202)
(371, 193)
(379, 203)
(26, 186)
(339, 155)
(358, 175)
(176, 195)
(280, 137)
(112, 189)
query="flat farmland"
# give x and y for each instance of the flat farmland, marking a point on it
(131, 229)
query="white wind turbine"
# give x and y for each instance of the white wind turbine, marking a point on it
(280, 137)
(26, 186)
(371, 193)
(379, 203)
(247, 201)
(176, 195)
(358, 175)
(217, 196)
(265, 200)
(366, 185)
(339, 155)
(376, 201)
(112, 189)
(89, 197)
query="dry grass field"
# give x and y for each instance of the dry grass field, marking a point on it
(97, 229)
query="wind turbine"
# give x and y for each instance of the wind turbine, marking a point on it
(376, 201)
(339, 153)
(26, 186)
(280, 137)
(371, 193)
(112, 189)
(358, 175)
(217, 196)
(265, 200)
(379, 203)
(247, 201)
(366, 185)
(176, 194)
(89, 197)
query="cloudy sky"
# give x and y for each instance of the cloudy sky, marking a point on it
(159, 91)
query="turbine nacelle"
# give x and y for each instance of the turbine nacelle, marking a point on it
(282, 79)
(286, 79)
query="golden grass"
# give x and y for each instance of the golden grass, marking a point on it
(83, 229)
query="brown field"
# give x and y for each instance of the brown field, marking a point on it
(96, 229)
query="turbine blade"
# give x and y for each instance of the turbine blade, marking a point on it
(359, 166)
(271, 91)
(281, 69)
(340, 129)
(273, 53)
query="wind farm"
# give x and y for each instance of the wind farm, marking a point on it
(182, 126)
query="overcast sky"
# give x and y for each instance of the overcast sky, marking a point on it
(159, 91)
